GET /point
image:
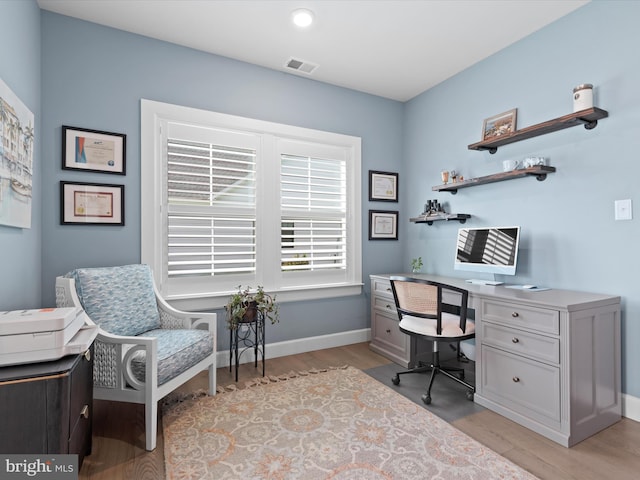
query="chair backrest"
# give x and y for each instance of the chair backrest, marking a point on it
(423, 298)
(121, 300)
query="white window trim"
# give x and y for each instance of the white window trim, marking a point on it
(152, 235)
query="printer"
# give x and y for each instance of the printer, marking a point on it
(46, 334)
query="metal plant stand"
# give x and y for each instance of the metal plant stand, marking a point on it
(248, 334)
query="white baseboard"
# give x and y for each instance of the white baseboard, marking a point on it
(302, 345)
(630, 404)
(631, 407)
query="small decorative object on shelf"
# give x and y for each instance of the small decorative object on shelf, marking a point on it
(499, 125)
(416, 265)
(434, 211)
(445, 176)
(582, 97)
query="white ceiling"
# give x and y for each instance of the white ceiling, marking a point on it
(392, 48)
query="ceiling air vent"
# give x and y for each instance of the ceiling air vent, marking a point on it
(300, 66)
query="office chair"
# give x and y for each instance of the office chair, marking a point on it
(423, 314)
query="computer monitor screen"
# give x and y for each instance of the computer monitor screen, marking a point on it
(488, 250)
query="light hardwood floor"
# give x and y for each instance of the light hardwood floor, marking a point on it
(118, 431)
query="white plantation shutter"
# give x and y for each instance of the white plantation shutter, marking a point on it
(313, 213)
(231, 201)
(211, 202)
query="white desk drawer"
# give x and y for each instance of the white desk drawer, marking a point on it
(525, 386)
(381, 287)
(523, 316)
(387, 334)
(385, 304)
(521, 342)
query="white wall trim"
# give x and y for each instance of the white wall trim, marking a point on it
(302, 345)
(631, 407)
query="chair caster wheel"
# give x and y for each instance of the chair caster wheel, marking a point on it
(470, 396)
(396, 380)
(426, 399)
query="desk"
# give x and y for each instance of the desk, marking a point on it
(548, 360)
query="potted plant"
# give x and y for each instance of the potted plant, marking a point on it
(416, 265)
(244, 305)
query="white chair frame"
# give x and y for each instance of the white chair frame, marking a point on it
(113, 378)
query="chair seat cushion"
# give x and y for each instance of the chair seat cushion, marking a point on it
(427, 326)
(178, 350)
(121, 300)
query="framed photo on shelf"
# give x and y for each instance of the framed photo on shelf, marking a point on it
(499, 125)
(93, 150)
(383, 225)
(383, 186)
(91, 204)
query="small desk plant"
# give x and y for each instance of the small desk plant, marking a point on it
(244, 305)
(416, 265)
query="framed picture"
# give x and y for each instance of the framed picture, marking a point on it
(499, 125)
(383, 186)
(93, 150)
(383, 225)
(91, 204)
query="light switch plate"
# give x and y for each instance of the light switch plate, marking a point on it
(623, 209)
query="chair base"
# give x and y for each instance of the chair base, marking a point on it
(456, 374)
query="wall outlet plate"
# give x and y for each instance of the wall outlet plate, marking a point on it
(623, 209)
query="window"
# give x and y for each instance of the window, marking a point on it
(231, 201)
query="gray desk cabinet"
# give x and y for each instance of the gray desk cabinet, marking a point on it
(548, 360)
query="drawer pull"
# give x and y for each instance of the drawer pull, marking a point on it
(388, 289)
(515, 339)
(515, 314)
(388, 330)
(87, 355)
(516, 379)
(85, 411)
(388, 306)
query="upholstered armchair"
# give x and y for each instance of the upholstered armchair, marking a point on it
(145, 349)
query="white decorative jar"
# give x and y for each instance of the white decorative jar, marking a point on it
(582, 97)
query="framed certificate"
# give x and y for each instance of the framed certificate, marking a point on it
(383, 225)
(93, 150)
(91, 204)
(383, 186)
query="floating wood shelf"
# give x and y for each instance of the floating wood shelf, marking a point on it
(429, 219)
(539, 172)
(589, 118)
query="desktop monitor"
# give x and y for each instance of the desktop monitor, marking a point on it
(488, 250)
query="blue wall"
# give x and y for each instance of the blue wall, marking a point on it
(20, 265)
(569, 236)
(94, 77)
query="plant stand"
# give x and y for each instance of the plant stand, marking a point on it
(248, 334)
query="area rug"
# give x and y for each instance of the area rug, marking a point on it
(337, 424)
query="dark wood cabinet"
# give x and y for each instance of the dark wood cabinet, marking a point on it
(47, 407)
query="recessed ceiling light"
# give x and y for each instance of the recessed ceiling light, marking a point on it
(302, 17)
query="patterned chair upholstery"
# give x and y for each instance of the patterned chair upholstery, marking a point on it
(145, 348)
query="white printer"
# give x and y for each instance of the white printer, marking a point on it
(28, 336)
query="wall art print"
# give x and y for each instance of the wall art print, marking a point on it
(16, 159)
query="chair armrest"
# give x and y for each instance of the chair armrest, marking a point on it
(173, 318)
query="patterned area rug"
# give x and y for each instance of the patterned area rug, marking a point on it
(336, 424)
